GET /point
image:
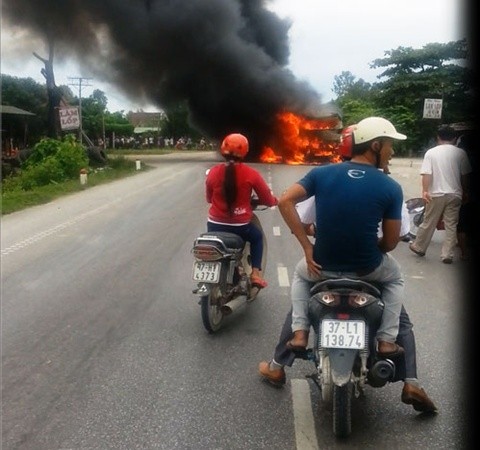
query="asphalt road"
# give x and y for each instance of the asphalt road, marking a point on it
(103, 345)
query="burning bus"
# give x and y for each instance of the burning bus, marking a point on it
(302, 139)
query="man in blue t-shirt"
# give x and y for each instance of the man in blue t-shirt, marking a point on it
(351, 199)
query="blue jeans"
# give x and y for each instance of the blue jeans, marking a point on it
(388, 274)
(248, 233)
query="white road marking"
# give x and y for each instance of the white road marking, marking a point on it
(305, 435)
(39, 236)
(283, 279)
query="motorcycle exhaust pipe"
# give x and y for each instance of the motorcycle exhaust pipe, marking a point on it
(233, 305)
(381, 373)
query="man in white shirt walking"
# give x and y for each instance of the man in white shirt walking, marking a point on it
(445, 171)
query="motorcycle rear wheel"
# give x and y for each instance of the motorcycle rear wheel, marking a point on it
(326, 384)
(212, 316)
(342, 410)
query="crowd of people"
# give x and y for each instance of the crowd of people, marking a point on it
(148, 141)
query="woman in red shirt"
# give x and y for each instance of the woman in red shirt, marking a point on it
(229, 189)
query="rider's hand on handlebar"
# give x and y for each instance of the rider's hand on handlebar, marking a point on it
(256, 204)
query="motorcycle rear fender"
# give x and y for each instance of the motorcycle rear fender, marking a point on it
(341, 364)
(228, 244)
(203, 289)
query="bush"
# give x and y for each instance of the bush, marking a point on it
(53, 161)
(15, 197)
(49, 170)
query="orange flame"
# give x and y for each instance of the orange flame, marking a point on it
(302, 140)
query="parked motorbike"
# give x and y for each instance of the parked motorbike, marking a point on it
(345, 315)
(416, 211)
(222, 269)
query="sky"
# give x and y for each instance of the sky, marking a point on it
(326, 38)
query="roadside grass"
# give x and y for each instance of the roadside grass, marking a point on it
(15, 199)
(119, 166)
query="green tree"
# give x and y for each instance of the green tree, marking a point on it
(347, 84)
(355, 98)
(176, 123)
(97, 120)
(93, 111)
(411, 75)
(27, 94)
(434, 71)
(117, 123)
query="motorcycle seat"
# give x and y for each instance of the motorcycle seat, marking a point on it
(414, 203)
(231, 240)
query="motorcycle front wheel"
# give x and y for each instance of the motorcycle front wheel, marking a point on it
(342, 410)
(212, 316)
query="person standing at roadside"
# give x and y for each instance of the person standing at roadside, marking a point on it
(445, 177)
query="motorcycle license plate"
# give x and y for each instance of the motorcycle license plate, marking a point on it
(208, 272)
(343, 334)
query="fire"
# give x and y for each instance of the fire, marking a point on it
(303, 140)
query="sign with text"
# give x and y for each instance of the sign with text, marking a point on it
(432, 108)
(69, 118)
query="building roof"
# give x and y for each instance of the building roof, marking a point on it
(145, 119)
(7, 109)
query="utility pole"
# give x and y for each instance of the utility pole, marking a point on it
(79, 82)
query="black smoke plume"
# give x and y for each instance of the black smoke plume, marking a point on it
(225, 58)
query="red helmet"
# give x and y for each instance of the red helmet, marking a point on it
(235, 145)
(346, 142)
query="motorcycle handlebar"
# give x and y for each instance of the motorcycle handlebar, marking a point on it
(256, 205)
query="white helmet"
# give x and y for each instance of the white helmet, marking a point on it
(375, 127)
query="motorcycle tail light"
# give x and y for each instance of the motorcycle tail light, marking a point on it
(360, 299)
(207, 253)
(343, 316)
(330, 298)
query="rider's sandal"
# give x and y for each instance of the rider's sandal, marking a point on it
(397, 350)
(258, 282)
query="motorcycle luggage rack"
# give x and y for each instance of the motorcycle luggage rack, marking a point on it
(230, 242)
